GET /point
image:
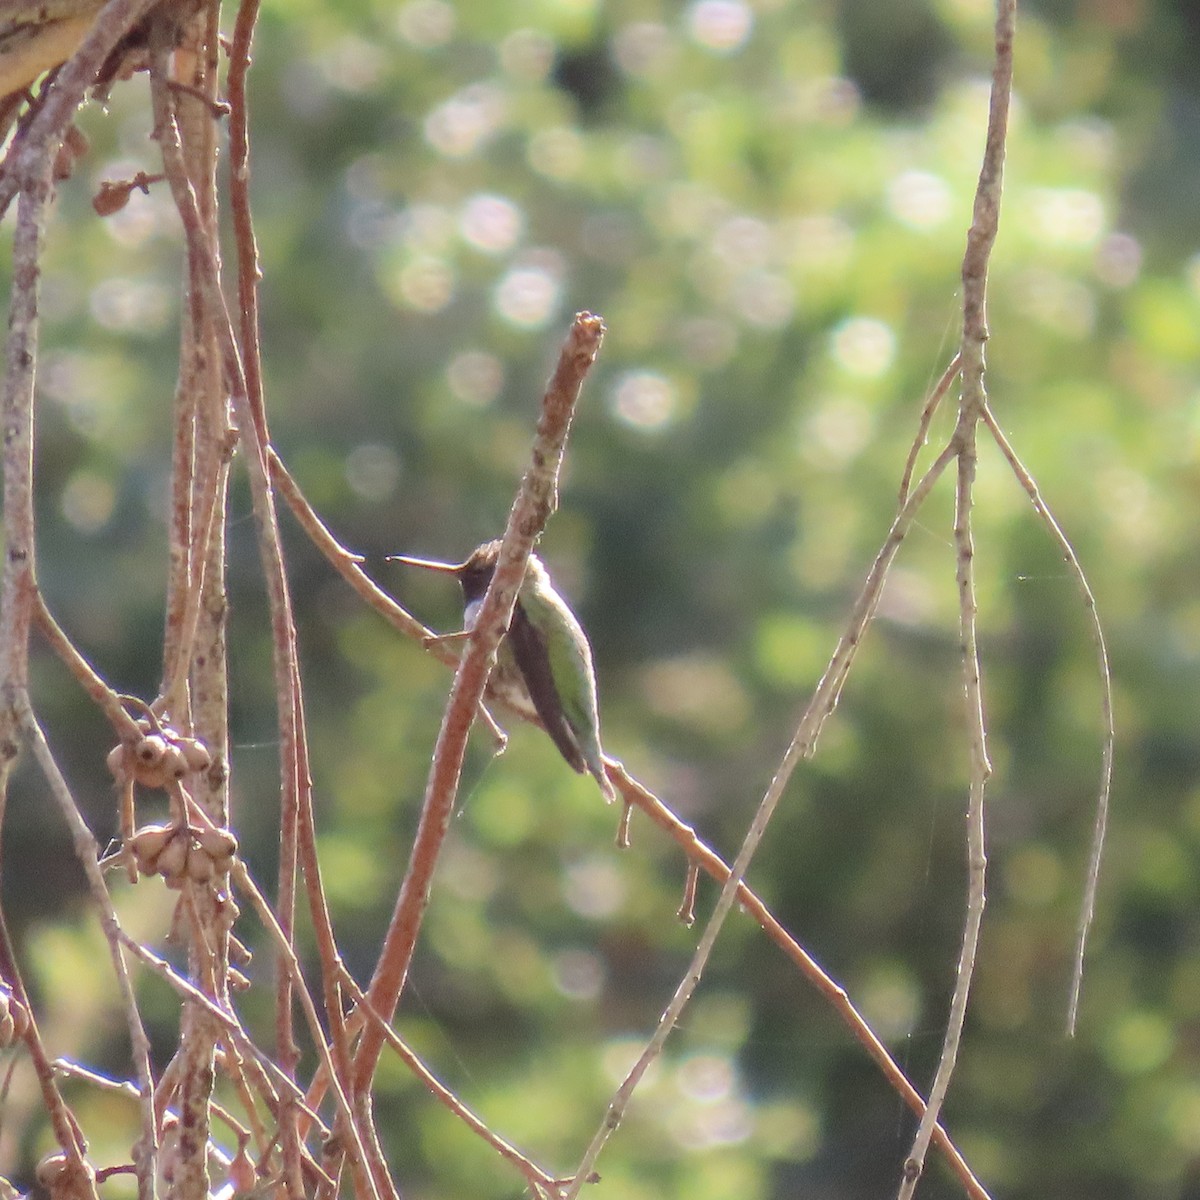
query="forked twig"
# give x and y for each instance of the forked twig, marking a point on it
(803, 744)
(536, 1177)
(972, 404)
(287, 956)
(930, 407)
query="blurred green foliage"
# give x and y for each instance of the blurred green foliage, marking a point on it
(767, 203)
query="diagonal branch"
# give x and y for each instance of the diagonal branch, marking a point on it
(532, 507)
(803, 744)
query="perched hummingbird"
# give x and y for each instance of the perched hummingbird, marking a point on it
(544, 663)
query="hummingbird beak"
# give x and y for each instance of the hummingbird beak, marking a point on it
(429, 563)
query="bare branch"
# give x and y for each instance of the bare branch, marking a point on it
(1088, 905)
(972, 405)
(534, 503)
(88, 853)
(819, 708)
(707, 860)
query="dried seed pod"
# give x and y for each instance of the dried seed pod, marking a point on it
(50, 1169)
(149, 756)
(200, 866)
(219, 844)
(116, 760)
(173, 859)
(20, 1016)
(196, 753)
(175, 762)
(111, 198)
(241, 1172)
(74, 146)
(148, 843)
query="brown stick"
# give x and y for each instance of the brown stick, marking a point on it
(704, 857)
(533, 505)
(972, 405)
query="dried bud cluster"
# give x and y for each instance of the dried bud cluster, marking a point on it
(14, 1018)
(179, 853)
(61, 1177)
(158, 758)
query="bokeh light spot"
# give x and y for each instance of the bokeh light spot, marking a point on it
(88, 501)
(593, 888)
(1139, 1041)
(578, 974)
(864, 346)
(706, 1077)
(744, 242)
(425, 284)
(696, 690)
(529, 294)
(836, 431)
(919, 199)
(372, 471)
(1058, 302)
(352, 64)
(890, 1000)
(426, 228)
(463, 123)
(644, 399)
(720, 25)
(475, 377)
(1119, 260)
(763, 299)
(643, 48)
(1068, 216)
(557, 152)
(426, 23)
(133, 306)
(491, 223)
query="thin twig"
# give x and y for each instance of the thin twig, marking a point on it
(1088, 906)
(104, 697)
(704, 857)
(932, 404)
(287, 956)
(532, 1172)
(284, 654)
(972, 405)
(88, 853)
(347, 566)
(803, 744)
(18, 587)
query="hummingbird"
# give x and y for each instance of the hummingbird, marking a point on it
(544, 663)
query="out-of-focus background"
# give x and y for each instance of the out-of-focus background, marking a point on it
(767, 203)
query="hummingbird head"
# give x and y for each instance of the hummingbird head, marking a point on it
(475, 573)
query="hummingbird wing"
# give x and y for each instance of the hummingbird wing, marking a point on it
(532, 655)
(574, 677)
